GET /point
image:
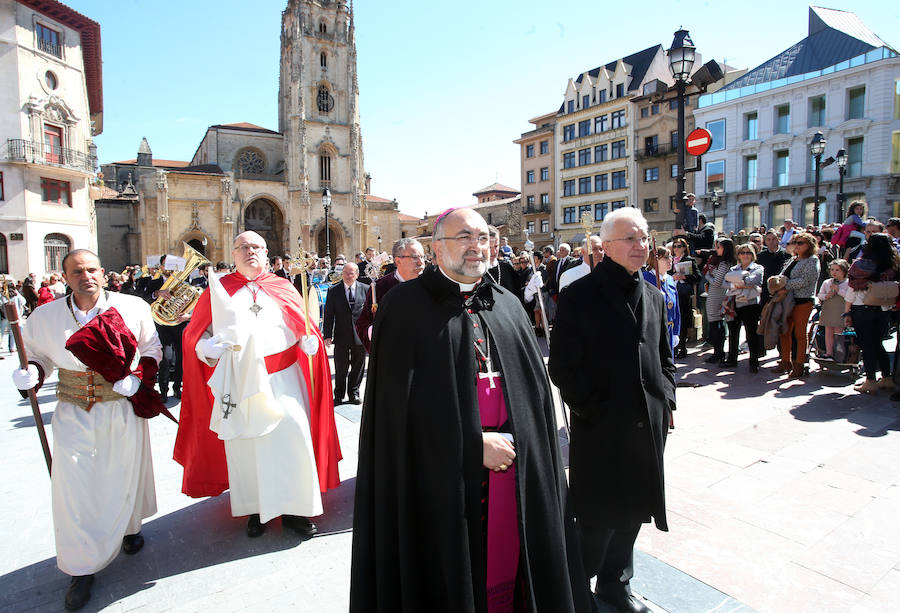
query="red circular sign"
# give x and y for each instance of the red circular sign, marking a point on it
(698, 142)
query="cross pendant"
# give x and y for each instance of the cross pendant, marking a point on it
(227, 406)
(255, 308)
(490, 376)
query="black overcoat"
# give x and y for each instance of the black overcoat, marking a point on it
(417, 529)
(616, 374)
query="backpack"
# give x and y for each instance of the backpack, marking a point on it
(843, 233)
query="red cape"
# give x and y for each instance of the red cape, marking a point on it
(197, 448)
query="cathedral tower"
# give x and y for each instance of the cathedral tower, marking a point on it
(318, 114)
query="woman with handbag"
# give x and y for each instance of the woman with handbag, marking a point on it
(686, 276)
(802, 272)
(745, 281)
(716, 268)
(872, 293)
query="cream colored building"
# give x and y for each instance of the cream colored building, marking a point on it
(51, 107)
(538, 169)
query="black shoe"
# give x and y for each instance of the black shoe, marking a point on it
(132, 543)
(729, 363)
(624, 603)
(713, 359)
(79, 592)
(254, 527)
(299, 524)
(754, 369)
(355, 400)
(680, 354)
(177, 392)
(338, 401)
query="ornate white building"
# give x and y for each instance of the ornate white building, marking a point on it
(51, 106)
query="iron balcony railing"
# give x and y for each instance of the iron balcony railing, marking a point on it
(656, 151)
(50, 47)
(537, 208)
(21, 150)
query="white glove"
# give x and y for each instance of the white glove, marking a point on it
(25, 379)
(128, 386)
(212, 348)
(675, 340)
(309, 344)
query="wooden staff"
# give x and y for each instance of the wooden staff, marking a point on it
(303, 263)
(655, 260)
(12, 316)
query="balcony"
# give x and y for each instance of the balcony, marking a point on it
(50, 47)
(30, 152)
(656, 152)
(537, 208)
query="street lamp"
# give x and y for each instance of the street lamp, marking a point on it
(326, 204)
(681, 60)
(816, 149)
(841, 159)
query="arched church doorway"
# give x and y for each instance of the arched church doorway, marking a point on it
(336, 237)
(264, 218)
(197, 245)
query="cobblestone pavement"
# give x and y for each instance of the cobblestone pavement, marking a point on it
(782, 496)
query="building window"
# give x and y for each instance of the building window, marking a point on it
(584, 156)
(620, 90)
(601, 96)
(645, 111)
(4, 258)
(529, 151)
(854, 157)
(895, 159)
(57, 192)
(856, 103)
(809, 211)
(529, 200)
(251, 162)
(715, 176)
(585, 101)
(654, 109)
(323, 60)
(569, 187)
(717, 129)
(569, 214)
(651, 174)
(617, 204)
(651, 145)
(545, 225)
(569, 159)
(584, 185)
(545, 199)
(782, 167)
(324, 168)
(750, 168)
(601, 124)
(529, 227)
(529, 176)
(56, 246)
(545, 147)
(778, 212)
(751, 126)
(782, 119)
(816, 112)
(674, 171)
(53, 144)
(50, 80)
(568, 132)
(618, 149)
(600, 210)
(651, 205)
(618, 180)
(570, 106)
(601, 153)
(618, 119)
(750, 217)
(48, 40)
(323, 28)
(2, 198)
(673, 139)
(545, 173)
(584, 127)
(601, 183)
(324, 100)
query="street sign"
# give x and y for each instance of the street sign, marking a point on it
(698, 142)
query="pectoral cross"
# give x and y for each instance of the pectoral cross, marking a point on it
(490, 375)
(255, 309)
(228, 406)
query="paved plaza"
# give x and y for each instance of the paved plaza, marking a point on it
(782, 496)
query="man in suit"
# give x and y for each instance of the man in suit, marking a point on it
(278, 267)
(620, 403)
(555, 270)
(343, 306)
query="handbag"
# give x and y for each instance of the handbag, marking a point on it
(881, 293)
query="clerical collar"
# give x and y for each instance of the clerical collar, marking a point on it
(399, 278)
(463, 287)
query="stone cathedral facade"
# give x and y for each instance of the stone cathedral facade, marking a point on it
(246, 177)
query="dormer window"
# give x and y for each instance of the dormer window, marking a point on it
(48, 40)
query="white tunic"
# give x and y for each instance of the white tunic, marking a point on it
(102, 480)
(273, 473)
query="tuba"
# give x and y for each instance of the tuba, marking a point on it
(166, 312)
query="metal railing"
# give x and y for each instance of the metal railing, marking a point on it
(21, 150)
(50, 47)
(656, 151)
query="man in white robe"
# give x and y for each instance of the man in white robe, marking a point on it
(102, 479)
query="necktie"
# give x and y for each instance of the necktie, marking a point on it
(350, 297)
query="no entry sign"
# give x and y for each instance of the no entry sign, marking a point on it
(698, 142)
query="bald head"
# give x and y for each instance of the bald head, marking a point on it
(461, 245)
(249, 236)
(250, 254)
(349, 273)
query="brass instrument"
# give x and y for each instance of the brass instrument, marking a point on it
(184, 296)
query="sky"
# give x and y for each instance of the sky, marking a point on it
(445, 87)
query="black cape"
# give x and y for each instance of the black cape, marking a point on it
(417, 530)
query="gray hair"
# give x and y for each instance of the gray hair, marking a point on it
(401, 245)
(493, 232)
(628, 213)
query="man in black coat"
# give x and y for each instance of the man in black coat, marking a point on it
(343, 305)
(423, 523)
(502, 272)
(610, 357)
(704, 238)
(170, 367)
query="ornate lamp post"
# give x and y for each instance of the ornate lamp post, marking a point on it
(326, 204)
(841, 159)
(681, 61)
(816, 149)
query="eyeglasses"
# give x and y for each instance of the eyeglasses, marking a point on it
(632, 240)
(676, 246)
(248, 247)
(467, 239)
(418, 258)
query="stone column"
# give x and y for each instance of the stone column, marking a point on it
(162, 206)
